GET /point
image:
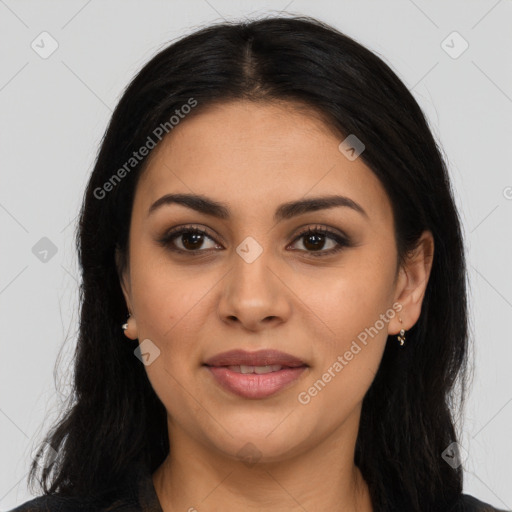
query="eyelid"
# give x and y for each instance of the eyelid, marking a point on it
(334, 232)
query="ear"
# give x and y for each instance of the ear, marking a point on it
(412, 283)
(124, 278)
(123, 272)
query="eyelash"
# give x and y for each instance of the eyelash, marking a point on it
(342, 241)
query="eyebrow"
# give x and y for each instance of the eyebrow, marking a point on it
(207, 206)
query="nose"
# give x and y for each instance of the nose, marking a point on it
(254, 295)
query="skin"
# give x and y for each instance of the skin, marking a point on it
(253, 157)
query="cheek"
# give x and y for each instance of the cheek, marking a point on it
(348, 299)
(353, 308)
(348, 356)
(170, 309)
(166, 296)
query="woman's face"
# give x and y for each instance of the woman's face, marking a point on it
(256, 281)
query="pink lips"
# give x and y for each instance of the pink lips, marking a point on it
(253, 385)
(258, 358)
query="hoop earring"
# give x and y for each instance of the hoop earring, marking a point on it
(401, 336)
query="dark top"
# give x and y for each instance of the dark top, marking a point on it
(141, 497)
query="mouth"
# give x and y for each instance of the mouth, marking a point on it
(255, 375)
(259, 370)
(260, 362)
(255, 382)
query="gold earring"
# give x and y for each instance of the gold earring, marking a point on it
(401, 336)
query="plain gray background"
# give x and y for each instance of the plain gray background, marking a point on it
(54, 111)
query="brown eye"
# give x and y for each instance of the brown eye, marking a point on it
(192, 240)
(316, 239)
(188, 239)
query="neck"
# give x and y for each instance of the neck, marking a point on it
(323, 478)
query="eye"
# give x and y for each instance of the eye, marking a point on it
(187, 239)
(192, 240)
(315, 241)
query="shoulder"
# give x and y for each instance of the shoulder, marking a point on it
(471, 504)
(132, 493)
(54, 503)
(60, 504)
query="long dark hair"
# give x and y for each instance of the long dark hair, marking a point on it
(115, 420)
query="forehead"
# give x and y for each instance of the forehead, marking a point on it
(253, 155)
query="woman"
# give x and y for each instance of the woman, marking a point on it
(273, 307)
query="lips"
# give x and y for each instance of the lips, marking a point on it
(255, 375)
(260, 358)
